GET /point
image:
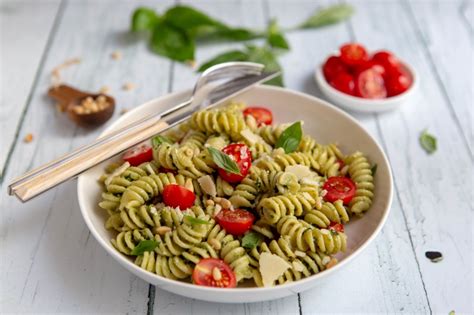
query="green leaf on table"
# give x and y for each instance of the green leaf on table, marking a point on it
(157, 140)
(172, 42)
(373, 169)
(144, 246)
(329, 15)
(266, 56)
(251, 239)
(224, 161)
(428, 142)
(290, 138)
(193, 221)
(275, 37)
(233, 55)
(143, 19)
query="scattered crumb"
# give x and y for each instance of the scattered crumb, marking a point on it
(28, 138)
(128, 86)
(123, 111)
(56, 72)
(104, 90)
(116, 55)
(191, 63)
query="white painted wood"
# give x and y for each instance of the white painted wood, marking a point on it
(385, 277)
(24, 30)
(49, 261)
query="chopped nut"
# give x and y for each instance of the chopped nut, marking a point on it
(56, 72)
(104, 90)
(128, 86)
(331, 263)
(28, 138)
(162, 230)
(116, 55)
(216, 274)
(191, 63)
(225, 203)
(214, 243)
(209, 203)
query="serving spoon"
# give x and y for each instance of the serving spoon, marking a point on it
(216, 84)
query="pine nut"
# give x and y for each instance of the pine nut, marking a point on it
(162, 230)
(331, 263)
(225, 203)
(209, 203)
(216, 274)
(28, 138)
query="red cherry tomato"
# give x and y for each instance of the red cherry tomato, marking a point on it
(235, 222)
(343, 82)
(337, 187)
(337, 227)
(240, 153)
(375, 65)
(262, 115)
(398, 82)
(178, 196)
(138, 155)
(387, 60)
(332, 67)
(370, 84)
(353, 54)
(203, 274)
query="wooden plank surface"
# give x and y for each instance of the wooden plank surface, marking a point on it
(18, 46)
(50, 262)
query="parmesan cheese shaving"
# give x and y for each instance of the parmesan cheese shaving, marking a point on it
(300, 171)
(271, 268)
(298, 266)
(207, 185)
(118, 171)
(251, 137)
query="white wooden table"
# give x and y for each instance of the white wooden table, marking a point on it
(49, 261)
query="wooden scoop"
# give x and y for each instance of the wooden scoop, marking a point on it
(70, 98)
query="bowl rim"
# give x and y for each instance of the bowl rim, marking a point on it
(324, 84)
(120, 258)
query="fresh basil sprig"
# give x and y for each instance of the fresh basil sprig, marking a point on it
(275, 37)
(329, 15)
(224, 161)
(428, 142)
(251, 239)
(193, 221)
(157, 140)
(290, 138)
(144, 246)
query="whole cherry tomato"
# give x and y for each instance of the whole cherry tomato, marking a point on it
(398, 82)
(343, 82)
(353, 54)
(332, 67)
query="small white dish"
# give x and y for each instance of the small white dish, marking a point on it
(364, 105)
(322, 120)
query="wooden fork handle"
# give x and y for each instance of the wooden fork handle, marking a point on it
(71, 165)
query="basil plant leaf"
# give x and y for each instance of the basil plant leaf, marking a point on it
(251, 239)
(428, 142)
(275, 37)
(193, 221)
(224, 161)
(290, 138)
(267, 57)
(233, 55)
(329, 15)
(172, 42)
(144, 19)
(144, 246)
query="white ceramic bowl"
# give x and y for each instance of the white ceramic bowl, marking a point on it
(358, 104)
(322, 120)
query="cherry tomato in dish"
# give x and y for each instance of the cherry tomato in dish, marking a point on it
(339, 187)
(353, 54)
(398, 82)
(240, 153)
(375, 65)
(178, 196)
(213, 272)
(343, 82)
(235, 222)
(332, 67)
(337, 227)
(387, 60)
(262, 115)
(370, 84)
(138, 155)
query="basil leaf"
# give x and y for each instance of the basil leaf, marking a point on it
(172, 42)
(157, 140)
(251, 239)
(374, 169)
(192, 220)
(290, 139)
(267, 57)
(428, 142)
(329, 15)
(224, 161)
(143, 19)
(275, 38)
(144, 246)
(233, 55)
(235, 34)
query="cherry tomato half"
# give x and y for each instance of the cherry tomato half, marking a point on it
(262, 115)
(204, 274)
(343, 82)
(353, 54)
(332, 67)
(235, 222)
(337, 187)
(337, 227)
(398, 82)
(178, 196)
(370, 84)
(240, 153)
(138, 155)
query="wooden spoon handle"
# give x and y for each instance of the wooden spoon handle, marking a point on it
(65, 94)
(70, 165)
